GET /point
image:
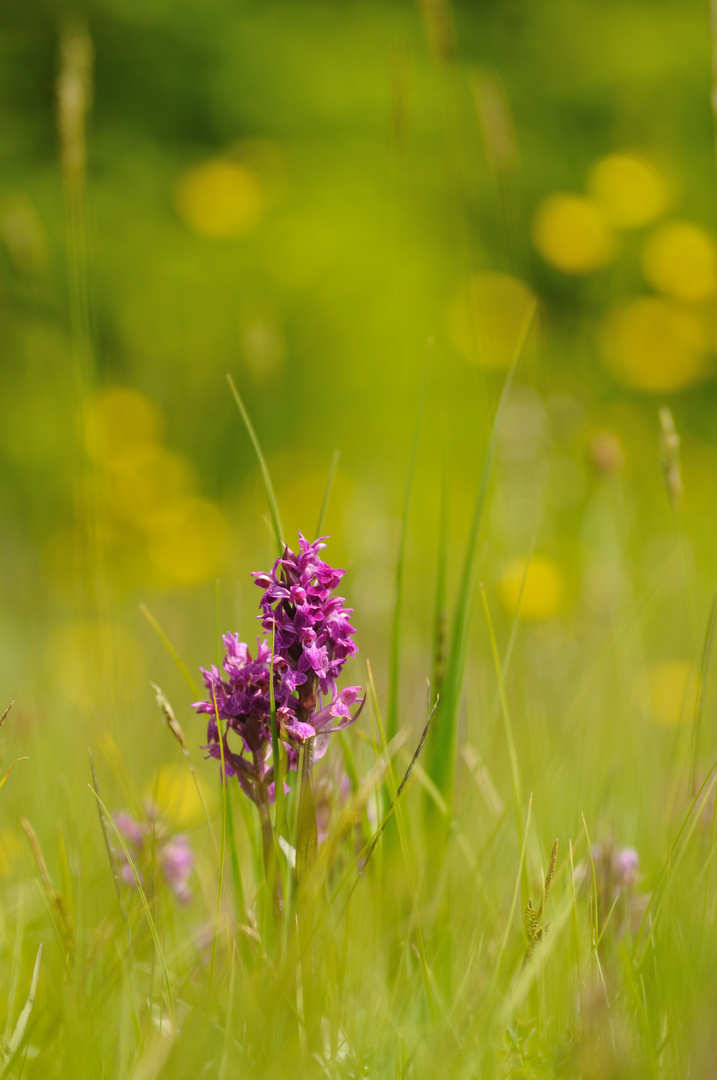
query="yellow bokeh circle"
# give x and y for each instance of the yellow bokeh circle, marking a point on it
(488, 320)
(92, 662)
(657, 345)
(629, 190)
(119, 418)
(667, 692)
(542, 585)
(143, 480)
(173, 790)
(188, 541)
(572, 234)
(680, 260)
(220, 199)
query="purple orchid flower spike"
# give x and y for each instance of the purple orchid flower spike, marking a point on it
(241, 705)
(312, 639)
(312, 635)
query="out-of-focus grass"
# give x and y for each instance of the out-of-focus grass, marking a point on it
(302, 195)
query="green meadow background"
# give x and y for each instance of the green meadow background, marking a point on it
(333, 202)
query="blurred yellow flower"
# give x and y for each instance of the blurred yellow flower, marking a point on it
(93, 662)
(681, 260)
(220, 199)
(572, 234)
(119, 419)
(629, 190)
(656, 345)
(544, 588)
(668, 692)
(174, 793)
(489, 317)
(143, 480)
(188, 541)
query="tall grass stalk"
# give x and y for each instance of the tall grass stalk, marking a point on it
(164, 638)
(273, 505)
(327, 491)
(394, 666)
(428, 983)
(700, 695)
(442, 745)
(222, 845)
(147, 910)
(439, 616)
(510, 742)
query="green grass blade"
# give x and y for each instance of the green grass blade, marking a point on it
(57, 904)
(108, 848)
(273, 505)
(442, 744)
(514, 768)
(531, 970)
(516, 893)
(439, 618)
(217, 628)
(403, 838)
(308, 887)
(595, 927)
(505, 665)
(237, 883)
(306, 832)
(327, 491)
(699, 703)
(23, 1018)
(279, 807)
(223, 841)
(11, 768)
(675, 855)
(392, 714)
(413, 763)
(145, 905)
(182, 667)
(18, 934)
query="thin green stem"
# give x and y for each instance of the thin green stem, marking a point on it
(273, 505)
(327, 491)
(392, 718)
(514, 767)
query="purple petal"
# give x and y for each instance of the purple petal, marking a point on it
(299, 730)
(131, 831)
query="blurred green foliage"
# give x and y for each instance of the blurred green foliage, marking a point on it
(305, 195)
(376, 158)
(299, 194)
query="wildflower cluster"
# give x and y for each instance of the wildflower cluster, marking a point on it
(616, 885)
(311, 635)
(151, 845)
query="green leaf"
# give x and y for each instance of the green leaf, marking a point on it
(23, 1018)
